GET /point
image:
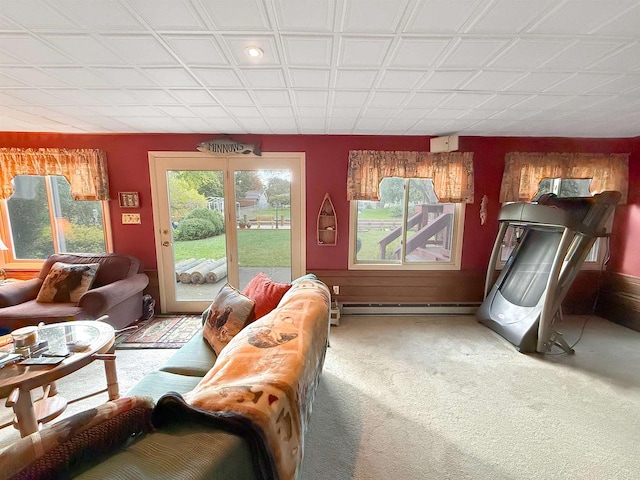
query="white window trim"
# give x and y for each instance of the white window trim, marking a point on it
(6, 257)
(456, 249)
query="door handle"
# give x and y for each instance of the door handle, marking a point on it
(166, 243)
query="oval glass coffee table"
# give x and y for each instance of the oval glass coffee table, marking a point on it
(20, 380)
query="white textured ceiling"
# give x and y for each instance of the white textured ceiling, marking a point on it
(376, 67)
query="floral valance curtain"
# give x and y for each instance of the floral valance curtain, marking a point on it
(452, 172)
(85, 169)
(523, 172)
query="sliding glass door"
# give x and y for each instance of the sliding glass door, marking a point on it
(224, 219)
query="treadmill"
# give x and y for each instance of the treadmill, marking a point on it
(557, 234)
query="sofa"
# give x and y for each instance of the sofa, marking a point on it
(192, 418)
(116, 291)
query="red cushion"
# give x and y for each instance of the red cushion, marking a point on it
(266, 293)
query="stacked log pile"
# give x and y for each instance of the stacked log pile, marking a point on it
(202, 270)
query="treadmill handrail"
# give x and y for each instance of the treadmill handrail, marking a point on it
(544, 215)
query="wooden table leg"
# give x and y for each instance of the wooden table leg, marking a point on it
(25, 413)
(111, 373)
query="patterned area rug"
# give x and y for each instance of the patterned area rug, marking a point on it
(161, 332)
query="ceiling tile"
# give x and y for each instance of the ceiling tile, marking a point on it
(310, 98)
(622, 84)
(538, 82)
(581, 16)
(168, 14)
(305, 15)
(626, 60)
(307, 51)
(440, 16)
(238, 15)
(529, 54)
(193, 96)
(320, 112)
(272, 97)
(400, 79)
(491, 80)
(446, 80)
(78, 77)
(125, 77)
(35, 14)
(624, 24)
(85, 49)
(374, 16)
(210, 111)
(309, 78)
(388, 99)
(581, 54)
(581, 83)
(139, 49)
(428, 99)
(264, 77)
(509, 16)
(363, 51)
(472, 53)
(171, 77)
(10, 82)
(349, 98)
(176, 110)
(503, 101)
(417, 52)
(153, 96)
(105, 14)
(278, 112)
(233, 97)
(217, 77)
(197, 50)
(466, 100)
(31, 50)
(32, 77)
(355, 79)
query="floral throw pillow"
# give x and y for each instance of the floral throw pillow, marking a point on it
(229, 313)
(67, 282)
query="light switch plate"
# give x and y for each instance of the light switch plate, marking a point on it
(130, 218)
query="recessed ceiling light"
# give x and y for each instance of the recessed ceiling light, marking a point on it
(254, 52)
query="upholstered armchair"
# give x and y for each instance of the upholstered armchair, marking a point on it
(116, 291)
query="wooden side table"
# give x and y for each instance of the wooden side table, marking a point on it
(21, 380)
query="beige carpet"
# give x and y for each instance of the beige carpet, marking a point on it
(446, 398)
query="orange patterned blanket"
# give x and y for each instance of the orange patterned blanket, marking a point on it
(267, 375)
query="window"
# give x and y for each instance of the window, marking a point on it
(563, 188)
(407, 229)
(41, 218)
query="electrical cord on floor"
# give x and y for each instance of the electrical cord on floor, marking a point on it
(605, 261)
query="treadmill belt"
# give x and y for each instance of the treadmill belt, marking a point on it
(526, 280)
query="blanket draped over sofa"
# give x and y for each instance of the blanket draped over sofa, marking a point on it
(243, 417)
(268, 373)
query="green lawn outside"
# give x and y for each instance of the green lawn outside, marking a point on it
(370, 249)
(377, 214)
(256, 248)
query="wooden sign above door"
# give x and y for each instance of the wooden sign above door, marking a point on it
(225, 144)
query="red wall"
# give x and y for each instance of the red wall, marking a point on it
(326, 169)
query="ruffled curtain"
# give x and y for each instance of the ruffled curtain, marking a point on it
(84, 169)
(523, 172)
(452, 173)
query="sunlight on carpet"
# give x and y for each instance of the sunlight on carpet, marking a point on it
(161, 332)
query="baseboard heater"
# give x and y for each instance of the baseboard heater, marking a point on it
(409, 308)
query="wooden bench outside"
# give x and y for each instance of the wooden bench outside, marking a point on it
(265, 220)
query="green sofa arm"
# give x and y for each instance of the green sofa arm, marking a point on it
(20, 292)
(99, 300)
